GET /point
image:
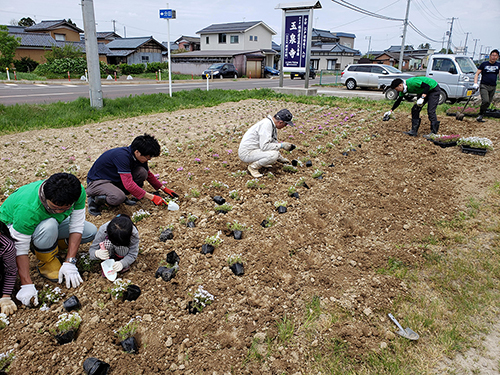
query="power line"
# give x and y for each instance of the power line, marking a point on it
(414, 28)
(356, 20)
(437, 9)
(364, 11)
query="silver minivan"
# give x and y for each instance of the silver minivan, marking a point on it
(453, 73)
(368, 75)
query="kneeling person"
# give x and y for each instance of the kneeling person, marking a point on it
(260, 146)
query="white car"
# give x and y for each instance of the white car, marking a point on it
(367, 75)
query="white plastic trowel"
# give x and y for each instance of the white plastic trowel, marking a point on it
(107, 269)
(172, 206)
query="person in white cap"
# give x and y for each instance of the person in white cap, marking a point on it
(260, 146)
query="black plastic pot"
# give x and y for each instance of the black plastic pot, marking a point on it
(64, 338)
(207, 249)
(295, 162)
(167, 234)
(264, 223)
(130, 345)
(219, 200)
(295, 195)
(305, 185)
(132, 293)
(222, 211)
(237, 269)
(292, 147)
(332, 165)
(309, 163)
(345, 153)
(71, 304)
(281, 209)
(94, 366)
(319, 177)
(190, 224)
(173, 258)
(165, 273)
(191, 308)
(238, 234)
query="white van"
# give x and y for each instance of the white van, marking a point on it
(453, 73)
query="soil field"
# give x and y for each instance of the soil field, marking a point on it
(312, 279)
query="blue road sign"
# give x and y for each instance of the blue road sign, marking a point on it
(167, 13)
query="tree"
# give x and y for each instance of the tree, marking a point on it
(67, 51)
(424, 46)
(26, 22)
(443, 50)
(71, 22)
(8, 46)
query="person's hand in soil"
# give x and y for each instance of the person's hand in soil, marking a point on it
(118, 266)
(170, 192)
(286, 146)
(7, 306)
(102, 253)
(26, 293)
(69, 272)
(158, 201)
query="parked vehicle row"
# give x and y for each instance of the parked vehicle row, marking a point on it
(220, 70)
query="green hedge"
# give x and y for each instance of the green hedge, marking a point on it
(132, 69)
(60, 67)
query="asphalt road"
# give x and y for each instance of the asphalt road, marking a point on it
(53, 91)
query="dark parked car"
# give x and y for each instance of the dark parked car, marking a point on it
(220, 70)
(302, 75)
(268, 72)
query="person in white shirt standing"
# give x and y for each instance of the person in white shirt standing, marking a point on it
(260, 146)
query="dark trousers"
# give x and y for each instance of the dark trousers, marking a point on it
(487, 94)
(115, 192)
(432, 100)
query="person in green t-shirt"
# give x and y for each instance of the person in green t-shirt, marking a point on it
(40, 216)
(427, 91)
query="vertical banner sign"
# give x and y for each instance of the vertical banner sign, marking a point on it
(295, 43)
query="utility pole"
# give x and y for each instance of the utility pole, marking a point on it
(465, 46)
(449, 35)
(474, 52)
(401, 53)
(95, 90)
(114, 26)
(369, 43)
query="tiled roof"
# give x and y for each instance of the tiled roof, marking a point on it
(131, 43)
(107, 34)
(102, 48)
(334, 48)
(120, 52)
(233, 27)
(50, 25)
(35, 39)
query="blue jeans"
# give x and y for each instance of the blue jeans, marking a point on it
(49, 231)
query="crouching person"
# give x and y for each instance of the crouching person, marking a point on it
(117, 239)
(47, 216)
(8, 270)
(260, 147)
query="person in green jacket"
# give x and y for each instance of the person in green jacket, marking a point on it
(427, 91)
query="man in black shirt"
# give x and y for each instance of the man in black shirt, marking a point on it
(489, 76)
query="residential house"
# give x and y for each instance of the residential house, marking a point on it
(106, 36)
(188, 43)
(413, 59)
(247, 45)
(140, 50)
(332, 51)
(34, 44)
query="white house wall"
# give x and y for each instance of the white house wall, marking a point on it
(264, 40)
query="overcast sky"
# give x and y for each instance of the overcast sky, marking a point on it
(480, 18)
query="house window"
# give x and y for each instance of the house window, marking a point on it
(145, 59)
(251, 37)
(222, 38)
(315, 64)
(60, 37)
(235, 39)
(207, 40)
(255, 38)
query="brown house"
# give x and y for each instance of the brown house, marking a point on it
(60, 30)
(392, 59)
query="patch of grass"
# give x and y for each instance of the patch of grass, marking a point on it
(286, 329)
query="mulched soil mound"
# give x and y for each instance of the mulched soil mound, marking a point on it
(375, 203)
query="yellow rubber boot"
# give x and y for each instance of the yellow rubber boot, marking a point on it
(49, 265)
(62, 244)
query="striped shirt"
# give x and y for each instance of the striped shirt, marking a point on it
(8, 260)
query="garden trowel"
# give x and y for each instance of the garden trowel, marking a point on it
(407, 333)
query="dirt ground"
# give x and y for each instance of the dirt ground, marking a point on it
(388, 190)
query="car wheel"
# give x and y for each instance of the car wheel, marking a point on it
(292, 76)
(350, 84)
(442, 97)
(303, 77)
(391, 94)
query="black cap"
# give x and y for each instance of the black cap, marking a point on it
(285, 115)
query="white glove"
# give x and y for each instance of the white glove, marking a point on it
(420, 102)
(102, 254)
(118, 266)
(7, 306)
(70, 272)
(286, 146)
(475, 86)
(26, 293)
(388, 113)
